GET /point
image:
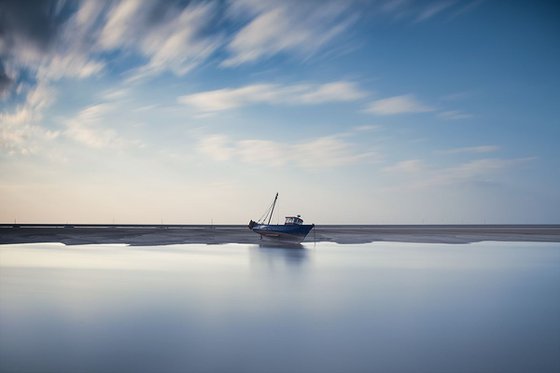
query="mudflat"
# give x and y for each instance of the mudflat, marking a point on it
(147, 235)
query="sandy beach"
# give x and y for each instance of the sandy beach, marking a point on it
(141, 235)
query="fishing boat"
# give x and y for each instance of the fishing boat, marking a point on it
(293, 229)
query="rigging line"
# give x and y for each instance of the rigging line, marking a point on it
(266, 213)
(263, 216)
(272, 211)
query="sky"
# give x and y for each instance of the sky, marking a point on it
(355, 112)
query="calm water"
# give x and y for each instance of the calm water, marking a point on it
(385, 307)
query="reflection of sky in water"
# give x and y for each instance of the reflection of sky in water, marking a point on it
(387, 307)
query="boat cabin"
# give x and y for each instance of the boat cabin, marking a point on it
(293, 220)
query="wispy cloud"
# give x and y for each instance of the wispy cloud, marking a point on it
(365, 128)
(422, 175)
(78, 40)
(89, 127)
(471, 150)
(19, 135)
(405, 104)
(322, 152)
(330, 92)
(170, 37)
(217, 147)
(68, 64)
(472, 170)
(85, 128)
(465, 8)
(38, 39)
(263, 152)
(302, 28)
(298, 94)
(421, 11)
(166, 36)
(409, 104)
(433, 9)
(330, 151)
(21, 132)
(454, 115)
(407, 166)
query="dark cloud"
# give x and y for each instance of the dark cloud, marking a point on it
(33, 23)
(5, 81)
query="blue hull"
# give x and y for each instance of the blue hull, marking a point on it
(287, 232)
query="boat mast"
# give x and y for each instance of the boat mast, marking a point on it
(272, 211)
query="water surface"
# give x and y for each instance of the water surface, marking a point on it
(387, 307)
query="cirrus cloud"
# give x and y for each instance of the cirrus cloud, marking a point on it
(471, 149)
(301, 28)
(404, 104)
(297, 94)
(21, 132)
(423, 175)
(322, 152)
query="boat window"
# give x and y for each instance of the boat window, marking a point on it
(293, 220)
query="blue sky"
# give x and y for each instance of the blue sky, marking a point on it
(394, 111)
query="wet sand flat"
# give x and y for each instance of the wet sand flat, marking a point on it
(141, 235)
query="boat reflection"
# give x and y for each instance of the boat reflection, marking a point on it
(275, 255)
(281, 245)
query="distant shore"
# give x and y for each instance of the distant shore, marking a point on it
(148, 235)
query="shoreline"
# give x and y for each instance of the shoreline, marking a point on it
(151, 235)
